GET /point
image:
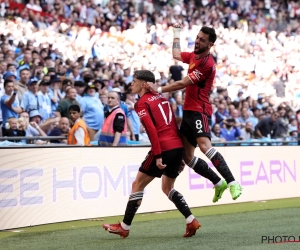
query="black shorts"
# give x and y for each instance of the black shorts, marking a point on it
(194, 125)
(172, 158)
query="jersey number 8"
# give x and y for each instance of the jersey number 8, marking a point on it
(199, 126)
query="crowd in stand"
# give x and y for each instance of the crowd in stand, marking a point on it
(58, 53)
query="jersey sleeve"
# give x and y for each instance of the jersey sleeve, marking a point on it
(142, 109)
(202, 74)
(185, 57)
(119, 123)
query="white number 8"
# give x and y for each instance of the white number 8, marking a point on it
(199, 126)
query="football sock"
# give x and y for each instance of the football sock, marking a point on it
(189, 219)
(219, 184)
(231, 183)
(201, 167)
(220, 164)
(125, 226)
(180, 203)
(133, 204)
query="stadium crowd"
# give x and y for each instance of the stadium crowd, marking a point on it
(58, 53)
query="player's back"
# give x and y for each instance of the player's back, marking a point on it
(161, 115)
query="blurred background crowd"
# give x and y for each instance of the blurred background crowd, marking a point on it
(57, 50)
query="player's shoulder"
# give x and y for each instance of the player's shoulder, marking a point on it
(207, 62)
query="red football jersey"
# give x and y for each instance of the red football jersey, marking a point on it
(159, 121)
(202, 73)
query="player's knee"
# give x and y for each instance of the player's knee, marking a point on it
(188, 157)
(204, 146)
(137, 186)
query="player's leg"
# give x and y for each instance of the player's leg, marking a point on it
(136, 197)
(198, 124)
(134, 202)
(192, 224)
(220, 164)
(189, 131)
(197, 164)
(172, 159)
(143, 178)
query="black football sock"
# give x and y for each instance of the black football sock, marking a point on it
(133, 204)
(179, 202)
(201, 167)
(220, 164)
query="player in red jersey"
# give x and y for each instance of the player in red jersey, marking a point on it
(197, 110)
(164, 159)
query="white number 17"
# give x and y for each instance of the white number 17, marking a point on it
(167, 121)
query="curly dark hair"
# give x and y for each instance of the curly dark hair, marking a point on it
(212, 37)
(145, 75)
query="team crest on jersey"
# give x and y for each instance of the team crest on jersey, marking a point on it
(192, 65)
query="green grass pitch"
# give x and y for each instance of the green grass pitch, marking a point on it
(236, 226)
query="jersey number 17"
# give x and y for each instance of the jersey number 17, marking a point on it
(162, 107)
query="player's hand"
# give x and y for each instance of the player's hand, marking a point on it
(177, 27)
(151, 86)
(159, 163)
(181, 166)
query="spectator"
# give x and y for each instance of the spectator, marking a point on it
(231, 132)
(104, 99)
(66, 83)
(221, 114)
(143, 137)
(216, 133)
(62, 109)
(268, 127)
(78, 135)
(54, 92)
(176, 71)
(283, 123)
(30, 100)
(22, 83)
(80, 87)
(93, 112)
(44, 100)
(245, 117)
(10, 76)
(9, 103)
(133, 116)
(247, 132)
(12, 129)
(62, 129)
(31, 128)
(114, 129)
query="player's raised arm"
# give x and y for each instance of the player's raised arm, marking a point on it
(181, 84)
(176, 50)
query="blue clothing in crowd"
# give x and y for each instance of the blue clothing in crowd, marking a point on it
(230, 135)
(93, 111)
(6, 111)
(135, 121)
(51, 95)
(45, 109)
(30, 101)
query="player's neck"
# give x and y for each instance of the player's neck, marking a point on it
(142, 92)
(203, 54)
